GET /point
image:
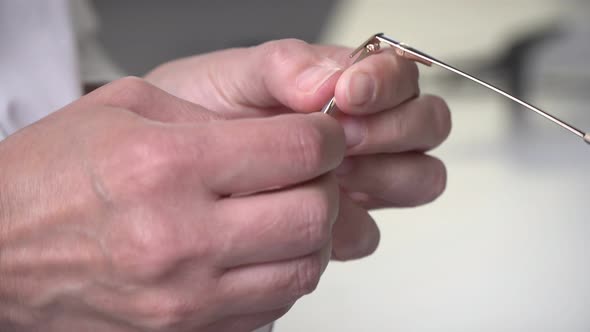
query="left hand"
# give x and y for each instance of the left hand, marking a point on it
(388, 125)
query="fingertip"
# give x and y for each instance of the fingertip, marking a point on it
(374, 243)
(444, 120)
(439, 180)
(356, 92)
(380, 82)
(298, 75)
(368, 243)
(355, 234)
(438, 110)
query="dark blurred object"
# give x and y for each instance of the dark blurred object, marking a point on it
(509, 70)
(514, 63)
(140, 34)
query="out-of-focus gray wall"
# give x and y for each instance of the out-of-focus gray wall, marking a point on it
(140, 34)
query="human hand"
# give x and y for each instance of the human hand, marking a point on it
(133, 210)
(388, 124)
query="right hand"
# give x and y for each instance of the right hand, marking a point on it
(132, 210)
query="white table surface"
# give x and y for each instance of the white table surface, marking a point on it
(505, 249)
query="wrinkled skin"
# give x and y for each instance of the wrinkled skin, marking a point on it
(213, 206)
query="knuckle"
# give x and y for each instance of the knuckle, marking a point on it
(145, 252)
(129, 92)
(146, 162)
(131, 83)
(307, 275)
(282, 52)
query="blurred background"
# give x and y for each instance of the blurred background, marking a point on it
(506, 247)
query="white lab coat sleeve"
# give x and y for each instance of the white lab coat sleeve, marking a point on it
(38, 61)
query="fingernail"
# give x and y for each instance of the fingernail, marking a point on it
(355, 131)
(344, 168)
(360, 88)
(311, 79)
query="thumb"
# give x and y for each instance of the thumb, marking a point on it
(285, 73)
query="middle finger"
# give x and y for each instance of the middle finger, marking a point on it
(277, 225)
(419, 124)
(396, 180)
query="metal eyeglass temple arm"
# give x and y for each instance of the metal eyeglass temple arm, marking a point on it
(372, 44)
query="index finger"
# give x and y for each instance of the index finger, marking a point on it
(381, 81)
(250, 155)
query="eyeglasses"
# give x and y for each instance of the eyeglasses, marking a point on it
(373, 44)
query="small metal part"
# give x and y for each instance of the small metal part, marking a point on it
(413, 54)
(370, 46)
(364, 46)
(327, 109)
(402, 52)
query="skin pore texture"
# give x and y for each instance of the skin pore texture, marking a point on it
(205, 196)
